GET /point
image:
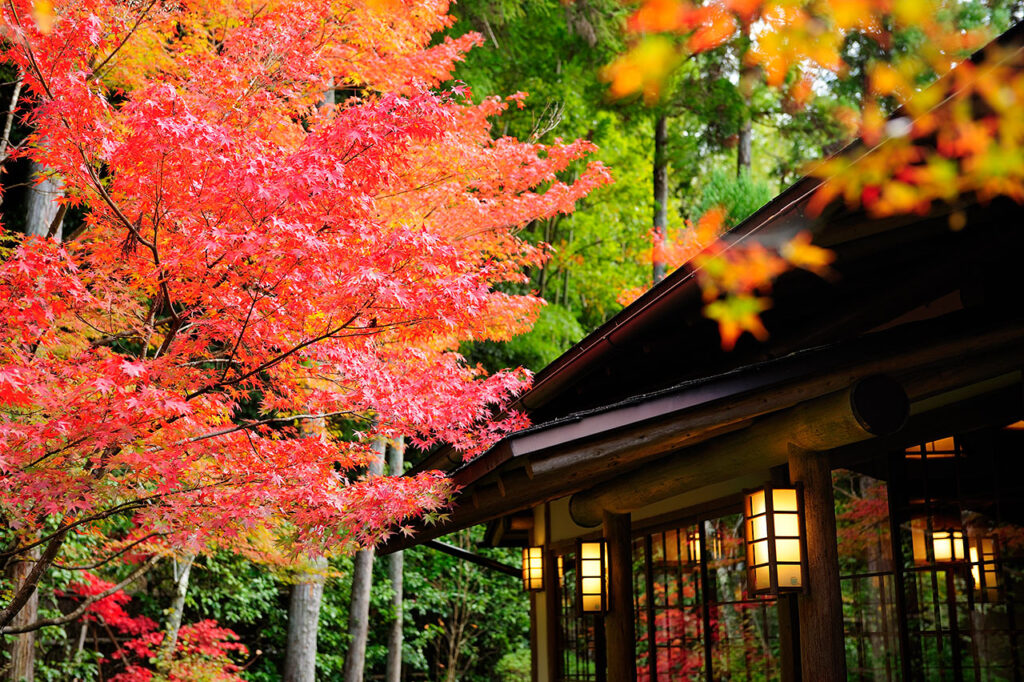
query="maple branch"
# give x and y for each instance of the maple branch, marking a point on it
(245, 325)
(6, 141)
(142, 15)
(86, 603)
(89, 567)
(262, 422)
(107, 513)
(96, 184)
(51, 453)
(425, 185)
(275, 360)
(32, 579)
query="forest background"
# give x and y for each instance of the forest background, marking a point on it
(715, 137)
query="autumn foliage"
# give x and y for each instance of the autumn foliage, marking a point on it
(928, 134)
(255, 269)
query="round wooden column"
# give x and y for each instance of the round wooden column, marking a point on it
(822, 649)
(619, 622)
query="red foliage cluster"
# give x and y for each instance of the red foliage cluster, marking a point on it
(202, 647)
(252, 264)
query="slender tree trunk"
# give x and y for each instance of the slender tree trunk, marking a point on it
(359, 609)
(23, 646)
(563, 298)
(393, 673)
(748, 74)
(303, 623)
(182, 570)
(308, 590)
(42, 206)
(660, 197)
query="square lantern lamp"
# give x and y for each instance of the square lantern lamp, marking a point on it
(941, 536)
(592, 576)
(983, 552)
(773, 527)
(533, 569)
(693, 545)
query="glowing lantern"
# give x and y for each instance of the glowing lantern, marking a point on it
(945, 538)
(985, 576)
(533, 568)
(693, 548)
(773, 525)
(592, 576)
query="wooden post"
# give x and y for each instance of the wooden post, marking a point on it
(552, 610)
(822, 649)
(534, 615)
(620, 622)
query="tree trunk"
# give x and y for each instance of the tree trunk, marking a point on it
(359, 608)
(393, 673)
(42, 206)
(182, 571)
(23, 646)
(658, 266)
(303, 622)
(748, 74)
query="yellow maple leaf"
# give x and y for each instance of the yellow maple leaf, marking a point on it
(738, 314)
(801, 253)
(42, 14)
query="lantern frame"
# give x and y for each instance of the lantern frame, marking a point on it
(586, 566)
(533, 568)
(983, 554)
(930, 532)
(696, 539)
(771, 539)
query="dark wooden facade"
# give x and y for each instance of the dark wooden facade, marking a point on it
(892, 391)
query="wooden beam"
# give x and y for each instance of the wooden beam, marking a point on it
(472, 558)
(620, 621)
(578, 465)
(822, 648)
(871, 406)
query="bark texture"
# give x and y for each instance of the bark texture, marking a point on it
(744, 146)
(42, 206)
(182, 570)
(396, 566)
(22, 647)
(660, 194)
(359, 608)
(303, 623)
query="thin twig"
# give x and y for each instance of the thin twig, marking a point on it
(86, 603)
(89, 567)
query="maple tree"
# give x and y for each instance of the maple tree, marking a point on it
(251, 263)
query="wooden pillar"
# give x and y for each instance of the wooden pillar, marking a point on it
(534, 615)
(620, 622)
(822, 650)
(553, 615)
(789, 638)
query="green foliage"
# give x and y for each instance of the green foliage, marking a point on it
(462, 618)
(556, 330)
(514, 666)
(740, 195)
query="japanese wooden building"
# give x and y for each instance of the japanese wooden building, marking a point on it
(890, 395)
